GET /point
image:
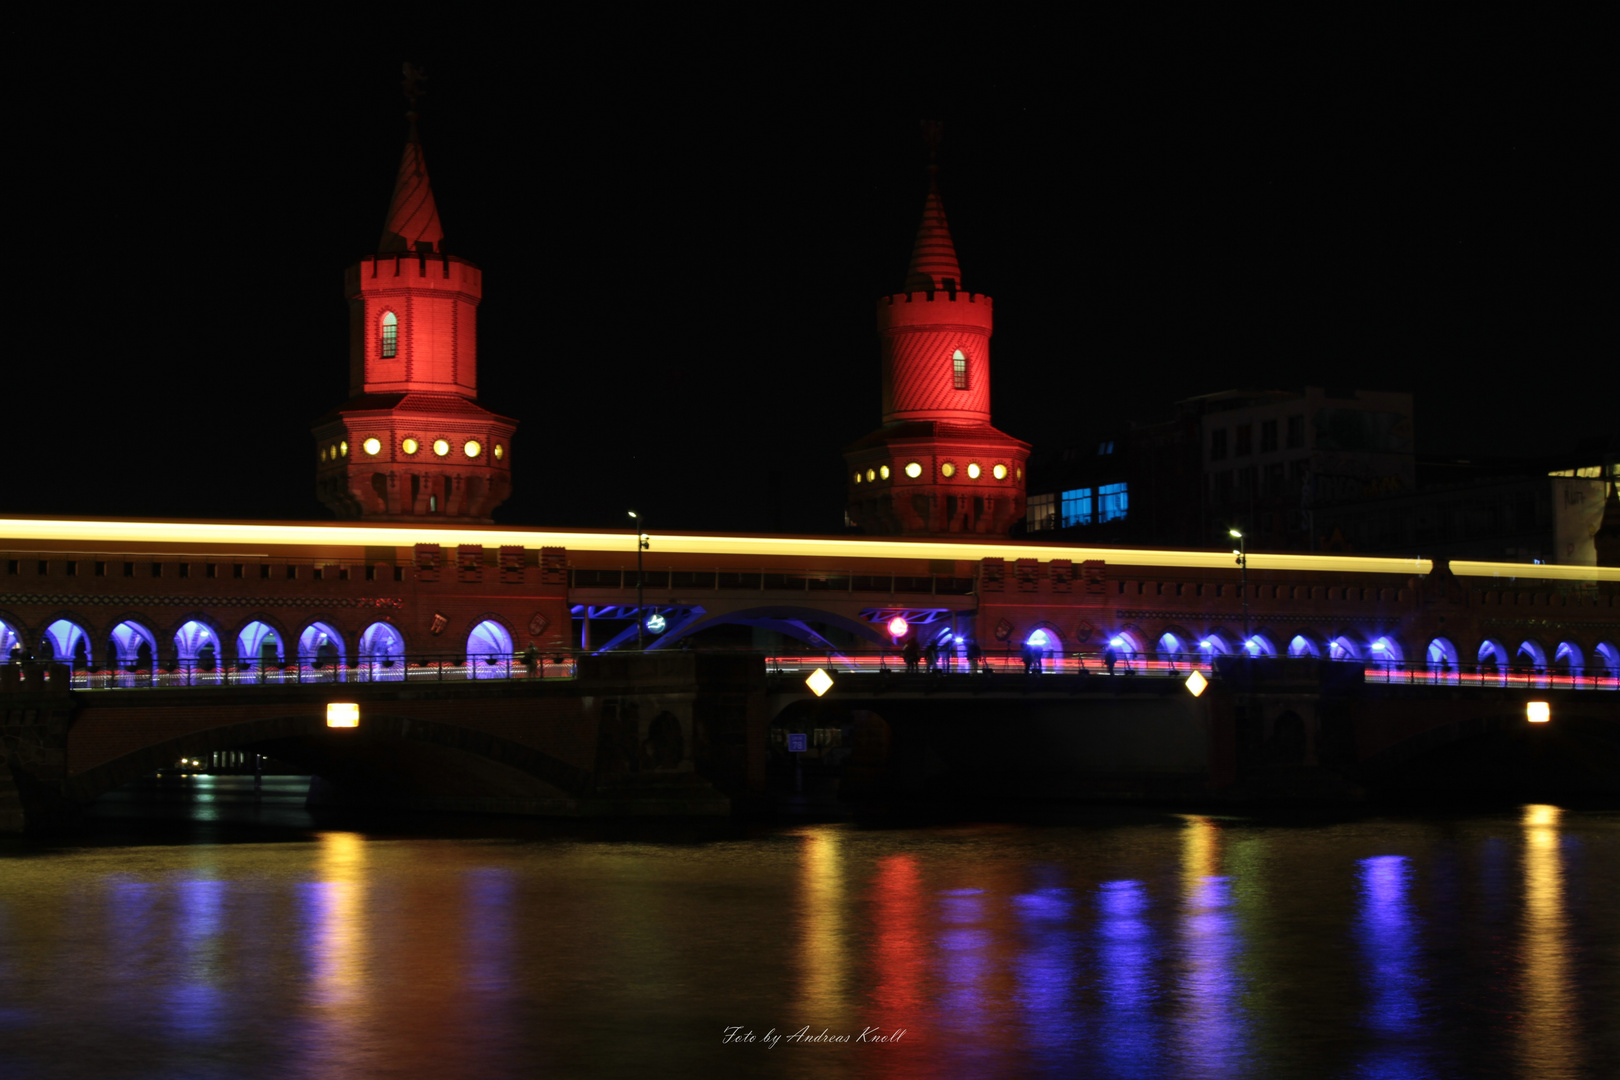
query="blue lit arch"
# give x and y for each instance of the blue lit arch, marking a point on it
(321, 645)
(126, 639)
(489, 649)
(63, 640)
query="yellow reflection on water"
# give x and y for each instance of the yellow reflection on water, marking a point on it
(1549, 1041)
(1208, 1035)
(337, 918)
(822, 957)
(1200, 853)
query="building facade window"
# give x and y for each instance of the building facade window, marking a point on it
(1113, 501)
(1296, 431)
(1268, 436)
(390, 335)
(1041, 514)
(1243, 444)
(1217, 445)
(1077, 507)
(959, 370)
(1274, 478)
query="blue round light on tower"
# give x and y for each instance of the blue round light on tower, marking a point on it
(656, 623)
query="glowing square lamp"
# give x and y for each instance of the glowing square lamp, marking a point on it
(1196, 683)
(343, 714)
(1537, 712)
(819, 682)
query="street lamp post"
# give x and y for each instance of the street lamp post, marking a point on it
(641, 545)
(1242, 554)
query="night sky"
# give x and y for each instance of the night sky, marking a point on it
(684, 227)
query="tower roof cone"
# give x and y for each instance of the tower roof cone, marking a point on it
(413, 217)
(933, 256)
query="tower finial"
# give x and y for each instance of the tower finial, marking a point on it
(933, 132)
(933, 256)
(413, 217)
(412, 86)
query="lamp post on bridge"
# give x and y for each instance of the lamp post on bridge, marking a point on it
(642, 539)
(1242, 553)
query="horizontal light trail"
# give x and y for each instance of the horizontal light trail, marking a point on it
(110, 532)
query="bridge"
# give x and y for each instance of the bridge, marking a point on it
(258, 624)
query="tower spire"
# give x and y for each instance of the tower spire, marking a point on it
(413, 217)
(933, 256)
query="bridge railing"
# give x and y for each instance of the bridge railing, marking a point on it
(1180, 666)
(304, 671)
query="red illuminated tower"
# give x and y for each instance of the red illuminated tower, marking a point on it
(412, 442)
(936, 465)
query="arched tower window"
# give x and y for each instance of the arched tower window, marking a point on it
(390, 335)
(959, 370)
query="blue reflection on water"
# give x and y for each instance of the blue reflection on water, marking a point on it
(1128, 1038)
(1211, 1033)
(1388, 940)
(1046, 973)
(196, 1002)
(488, 924)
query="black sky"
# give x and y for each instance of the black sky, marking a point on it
(684, 226)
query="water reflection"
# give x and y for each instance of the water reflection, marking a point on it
(1128, 1040)
(822, 943)
(1389, 951)
(1193, 948)
(334, 946)
(1209, 1033)
(196, 1000)
(1549, 1034)
(1046, 971)
(900, 949)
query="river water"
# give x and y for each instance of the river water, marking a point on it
(189, 932)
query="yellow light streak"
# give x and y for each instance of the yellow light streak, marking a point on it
(106, 531)
(1468, 568)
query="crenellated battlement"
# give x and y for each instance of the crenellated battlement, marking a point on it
(414, 270)
(915, 310)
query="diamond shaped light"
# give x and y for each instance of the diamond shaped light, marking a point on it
(1196, 683)
(819, 682)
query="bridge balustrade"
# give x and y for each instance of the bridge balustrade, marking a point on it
(890, 662)
(190, 673)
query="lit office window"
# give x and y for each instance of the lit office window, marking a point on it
(1076, 507)
(1041, 513)
(1112, 502)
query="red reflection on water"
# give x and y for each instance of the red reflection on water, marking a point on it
(900, 962)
